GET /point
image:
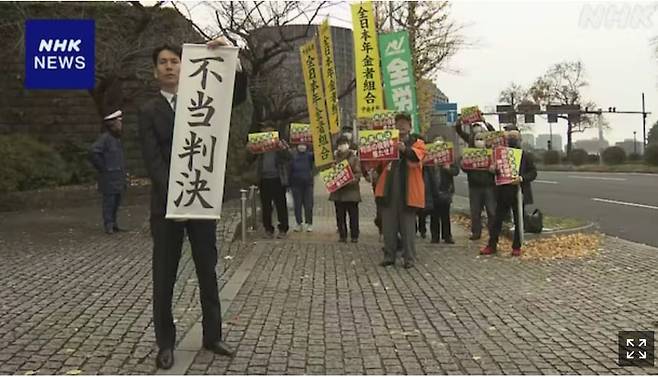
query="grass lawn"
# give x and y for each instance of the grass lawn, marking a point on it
(554, 223)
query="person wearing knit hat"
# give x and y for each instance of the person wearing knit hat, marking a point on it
(106, 155)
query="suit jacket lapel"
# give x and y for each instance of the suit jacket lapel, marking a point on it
(164, 109)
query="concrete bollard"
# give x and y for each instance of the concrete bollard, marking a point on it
(254, 218)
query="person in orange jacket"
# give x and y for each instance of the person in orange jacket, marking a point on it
(400, 192)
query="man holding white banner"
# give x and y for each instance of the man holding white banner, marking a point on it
(184, 137)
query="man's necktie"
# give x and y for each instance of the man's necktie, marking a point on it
(173, 102)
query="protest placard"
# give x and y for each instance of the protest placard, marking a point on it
(262, 142)
(493, 139)
(477, 158)
(508, 164)
(201, 128)
(369, 92)
(381, 120)
(379, 145)
(441, 152)
(337, 176)
(300, 133)
(471, 114)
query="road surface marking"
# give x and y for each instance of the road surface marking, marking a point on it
(548, 182)
(624, 203)
(598, 178)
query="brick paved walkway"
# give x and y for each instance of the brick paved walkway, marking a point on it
(73, 300)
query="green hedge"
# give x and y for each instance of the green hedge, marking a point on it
(578, 157)
(28, 164)
(614, 156)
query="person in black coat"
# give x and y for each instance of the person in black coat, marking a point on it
(506, 198)
(106, 155)
(156, 129)
(439, 189)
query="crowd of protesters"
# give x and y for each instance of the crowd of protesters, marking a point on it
(407, 191)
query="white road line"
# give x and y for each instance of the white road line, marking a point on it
(598, 178)
(548, 182)
(625, 203)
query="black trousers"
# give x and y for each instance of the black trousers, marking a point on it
(422, 220)
(271, 190)
(506, 200)
(342, 210)
(167, 243)
(440, 221)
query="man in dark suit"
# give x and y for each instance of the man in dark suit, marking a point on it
(506, 198)
(156, 128)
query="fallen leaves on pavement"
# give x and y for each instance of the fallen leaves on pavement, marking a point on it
(576, 245)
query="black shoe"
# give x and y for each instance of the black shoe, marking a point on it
(116, 229)
(387, 263)
(449, 241)
(109, 231)
(434, 240)
(343, 240)
(219, 348)
(355, 240)
(165, 358)
(423, 235)
(474, 237)
(408, 264)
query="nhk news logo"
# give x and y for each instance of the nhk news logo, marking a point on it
(60, 54)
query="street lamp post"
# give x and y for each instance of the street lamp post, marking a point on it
(634, 142)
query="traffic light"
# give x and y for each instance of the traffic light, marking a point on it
(505, 118)
(612, 109)
(548, 142)
(528, 110)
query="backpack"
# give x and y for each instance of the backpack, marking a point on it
(533, 222)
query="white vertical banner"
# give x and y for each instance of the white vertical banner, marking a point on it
(201, 128)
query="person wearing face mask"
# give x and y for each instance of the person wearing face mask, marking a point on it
(301, 183)
(480, 193)
(475, 128)
(401, 193)
(347, 198)
(506, 198)
(106, 155)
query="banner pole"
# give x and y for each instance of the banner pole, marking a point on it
(519, 209)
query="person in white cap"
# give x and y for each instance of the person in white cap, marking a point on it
(106, 154)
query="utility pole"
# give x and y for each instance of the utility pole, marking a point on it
(634, 142)
(599, 121)
(644, 126)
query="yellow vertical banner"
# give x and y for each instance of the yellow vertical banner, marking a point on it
(315, 101)
(329, 76)
(369, 93)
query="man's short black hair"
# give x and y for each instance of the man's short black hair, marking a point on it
(342, 139)
(175, 49)
(403, 116)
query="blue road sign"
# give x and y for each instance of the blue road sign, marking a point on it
(450, 109)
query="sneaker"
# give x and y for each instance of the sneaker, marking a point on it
(269, 235)
(487, 250)
(309, 228)
(408, 264)
(474, 237)
(282, 235)
(449, 241)
(387, 263)
(516, 252)
(355, 240)
(299, 228)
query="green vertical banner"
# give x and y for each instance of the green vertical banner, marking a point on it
(398, 72)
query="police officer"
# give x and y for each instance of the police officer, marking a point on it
(106, 154)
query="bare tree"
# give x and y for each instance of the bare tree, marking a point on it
(562, 85)
(434, 37)
(261, 28)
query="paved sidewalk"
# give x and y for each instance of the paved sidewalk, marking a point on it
(314, 306)
(74, 300)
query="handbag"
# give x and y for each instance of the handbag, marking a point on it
(533, 222)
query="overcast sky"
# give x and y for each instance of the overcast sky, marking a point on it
(518, 40)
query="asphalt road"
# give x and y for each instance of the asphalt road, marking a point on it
(624, 205)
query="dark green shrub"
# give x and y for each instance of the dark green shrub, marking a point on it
(592, 158)
(614, 156)
(76, 158)
(578, 157)
(634, 157)
(28, 164)
(651, 154)
(551, 158)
